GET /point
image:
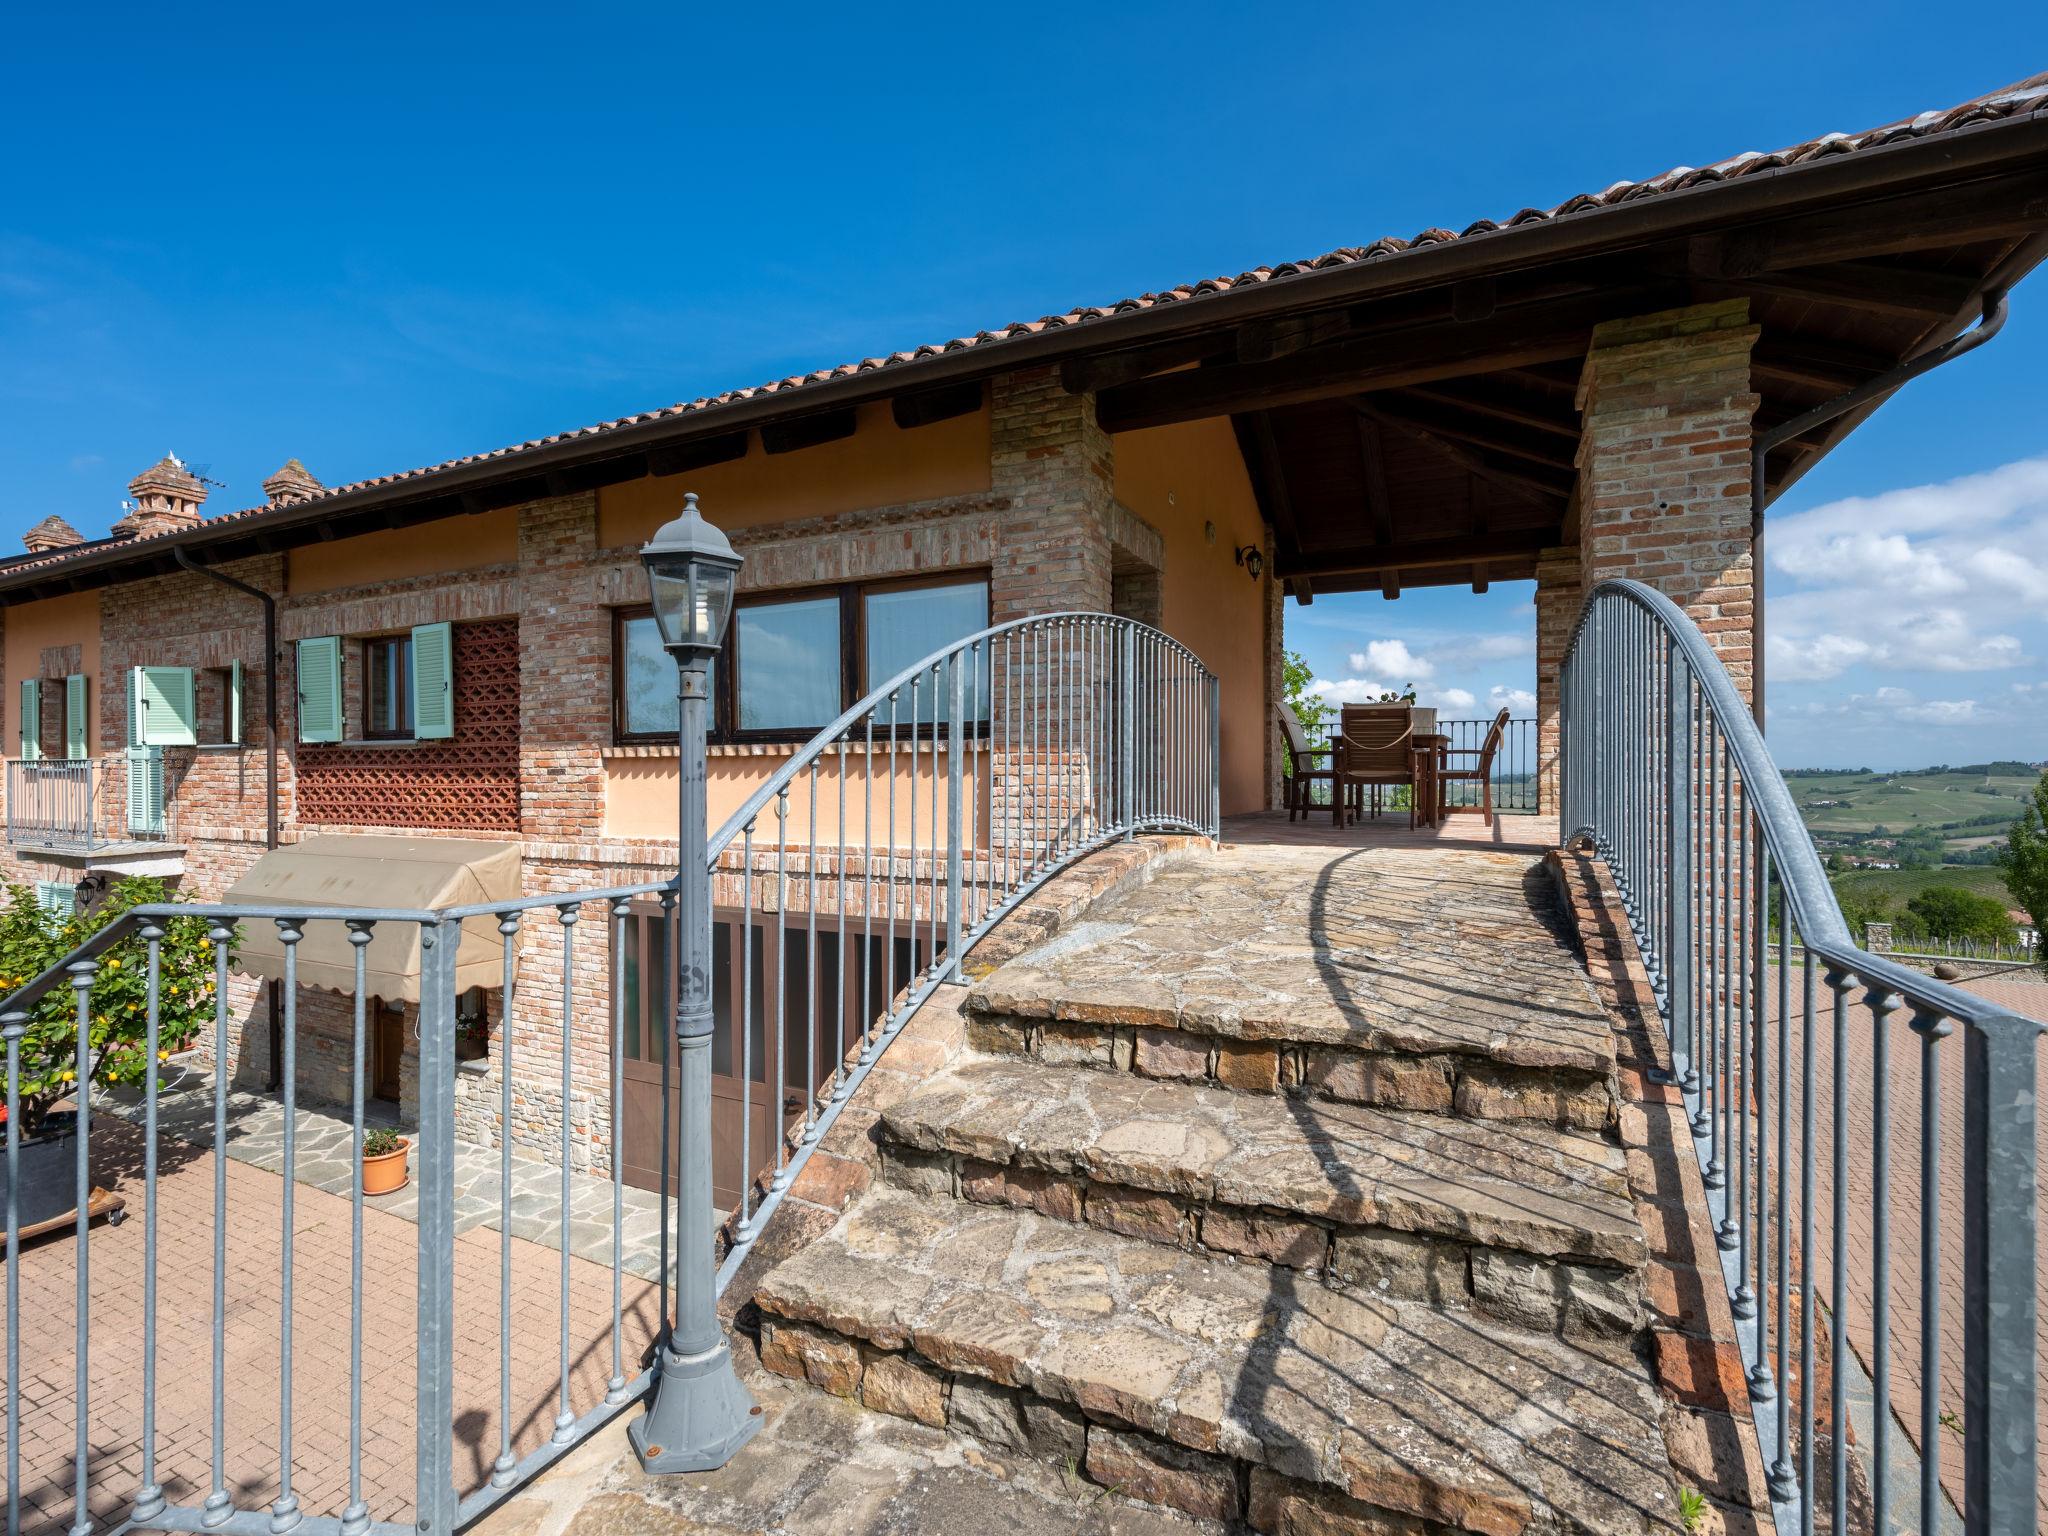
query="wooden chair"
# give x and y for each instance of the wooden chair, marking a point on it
(1375, 750)
(1480, 773)
(1303, 773)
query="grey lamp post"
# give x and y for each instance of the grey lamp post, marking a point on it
(701, 1414)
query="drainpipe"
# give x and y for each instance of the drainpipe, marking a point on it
(270, 838)
(1987, 326)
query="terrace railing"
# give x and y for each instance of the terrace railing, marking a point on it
(853, 881)
(1514, 764)
(86, 804)
(1805, 1107)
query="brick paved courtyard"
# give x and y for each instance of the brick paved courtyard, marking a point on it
(2018, 991)
(320, 1313)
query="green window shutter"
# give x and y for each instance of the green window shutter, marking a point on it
(235, 701)
(58, 900)
(31, 718)
(320, 688)
(145, 792)
(168, 716)
(433, 681)
(77, 731)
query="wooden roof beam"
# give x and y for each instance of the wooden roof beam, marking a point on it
(1418, 357)
(1500, 407)
(1414, 554)
(1963, 214)
(1502, 440)
(1866, 285)
(1520, 480)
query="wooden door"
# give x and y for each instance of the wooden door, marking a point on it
(753, 1076)
(387, 1049)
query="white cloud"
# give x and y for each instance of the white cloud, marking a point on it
(1350, 690)
(1942, 712)
(1816, 658)
(1391, 658)
(1453, 698)
(1517, 700)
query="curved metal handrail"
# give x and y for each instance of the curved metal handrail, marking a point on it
(1808, 893)
(832, 734)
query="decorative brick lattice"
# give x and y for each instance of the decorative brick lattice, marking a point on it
(467, 783)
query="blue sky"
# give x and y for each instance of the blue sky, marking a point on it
(374, 238)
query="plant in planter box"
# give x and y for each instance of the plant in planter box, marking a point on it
(32, 939)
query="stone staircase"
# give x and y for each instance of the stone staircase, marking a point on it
(1280, 1191)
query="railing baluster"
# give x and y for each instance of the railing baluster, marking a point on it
(1883, 1002)
(355, 1519)
(149, 1500)
(1807, 1153)
(12, 1028)
(284, 1514)
(508, 931)
(218, 1506)
(566, 916)
(1932, 1029)
(746, 1029)
(615, 1389)
(1839, 982)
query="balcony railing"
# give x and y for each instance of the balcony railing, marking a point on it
(1514, 765)
(80, 805)
(861, 872)
(1831, 1092)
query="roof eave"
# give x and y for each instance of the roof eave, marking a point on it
(1975, 151)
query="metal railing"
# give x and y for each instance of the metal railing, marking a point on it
(1667, 775)
(86, 804)
(851, 883)
(1514, 765)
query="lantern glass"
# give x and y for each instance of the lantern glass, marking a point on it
(692, 600)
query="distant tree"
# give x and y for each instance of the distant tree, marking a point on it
(1950, 912)
(1296, 680)
(2025, 861)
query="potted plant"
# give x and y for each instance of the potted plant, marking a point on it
(32, 939)
(383, 1161)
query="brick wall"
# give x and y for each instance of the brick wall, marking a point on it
(1664, 466)
(1558, 595)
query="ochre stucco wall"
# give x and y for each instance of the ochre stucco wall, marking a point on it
(73, 619)
(1178, 479)
(640, 797)
(881, 465)
(431, 549)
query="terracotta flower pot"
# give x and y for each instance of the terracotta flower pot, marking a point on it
(383, 1174)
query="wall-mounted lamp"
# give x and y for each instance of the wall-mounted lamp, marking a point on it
(1249, 557)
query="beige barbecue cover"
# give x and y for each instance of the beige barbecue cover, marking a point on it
(410, 873)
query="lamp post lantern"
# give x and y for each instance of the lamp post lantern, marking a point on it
(700, 1414)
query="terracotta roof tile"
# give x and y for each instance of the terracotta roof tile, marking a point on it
(2021, 99)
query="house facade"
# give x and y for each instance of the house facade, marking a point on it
(1611, 387)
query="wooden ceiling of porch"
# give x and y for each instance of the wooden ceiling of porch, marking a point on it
(1429, 438)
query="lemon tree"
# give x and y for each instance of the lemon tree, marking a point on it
(32, 939)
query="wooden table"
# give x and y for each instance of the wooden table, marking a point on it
(1430, 756)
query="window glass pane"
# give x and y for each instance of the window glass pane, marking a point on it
(387, 667)
(647, 691)
(629, 978)
(906, 624)
(789, 664)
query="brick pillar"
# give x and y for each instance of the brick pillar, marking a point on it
(1664, 466)
(1558, 594)
(1054, 464)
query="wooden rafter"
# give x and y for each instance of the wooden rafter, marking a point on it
(1464, 549)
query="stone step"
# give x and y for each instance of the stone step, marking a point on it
(1228, 1390)
(1407, 979)
(1527, 1223)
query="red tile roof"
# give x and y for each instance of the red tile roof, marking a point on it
(2024, 98)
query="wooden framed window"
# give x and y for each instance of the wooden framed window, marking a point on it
(387, 688)
(793, 661)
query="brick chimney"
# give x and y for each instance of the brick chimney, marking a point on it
(51, 533)
(294, 482)
(167, 497)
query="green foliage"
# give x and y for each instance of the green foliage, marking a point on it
(31, 941)
(1692, 1508)
(1295, 676)
(1949, 912)
(2025, 861)
(381, 1142)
